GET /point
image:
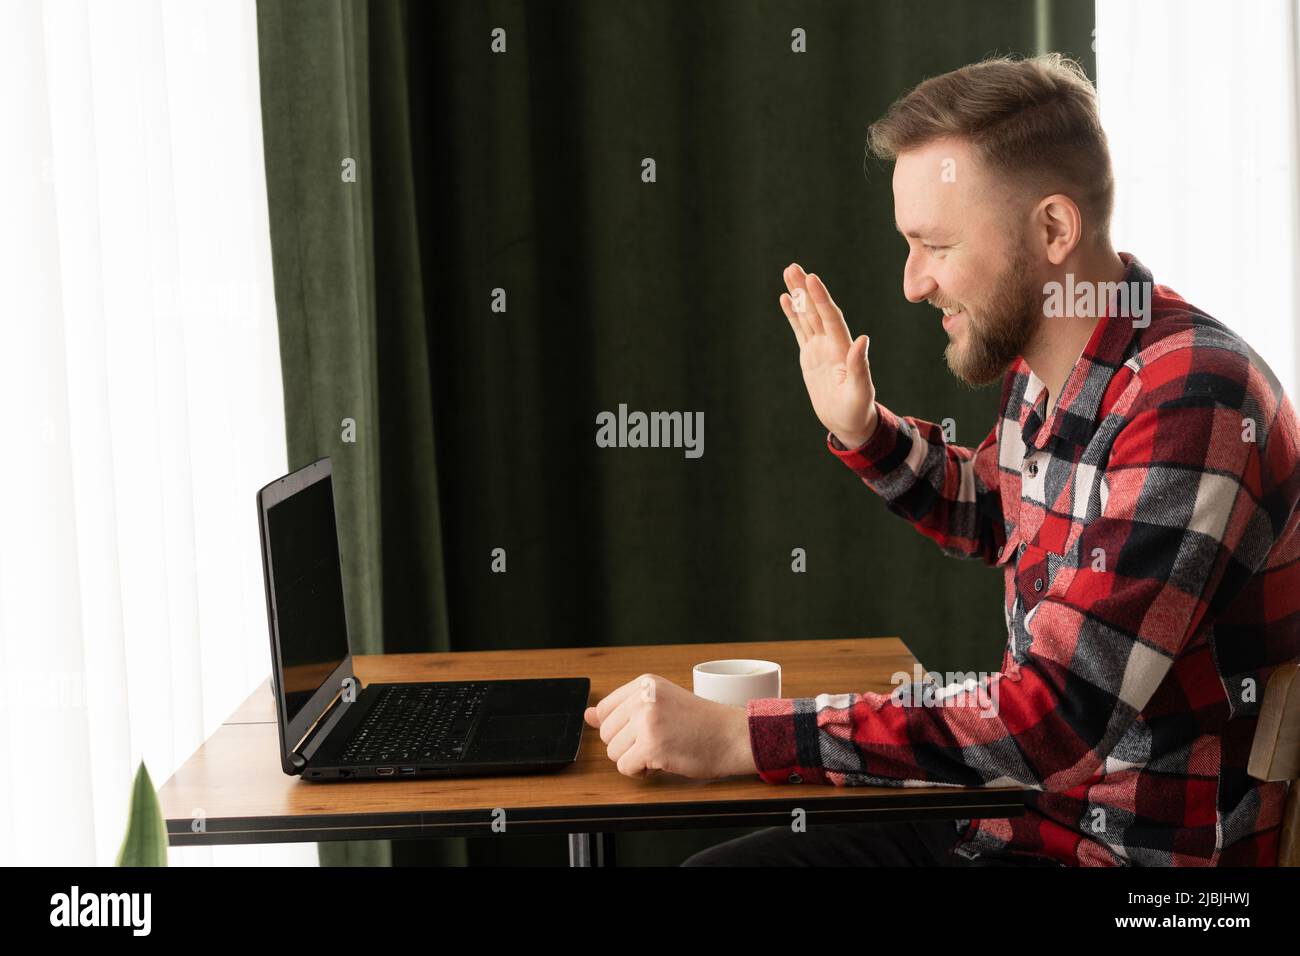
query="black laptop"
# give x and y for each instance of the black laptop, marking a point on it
(333, 729)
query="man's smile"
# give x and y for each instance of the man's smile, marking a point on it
(953, 315)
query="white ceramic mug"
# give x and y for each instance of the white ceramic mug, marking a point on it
(736, 682)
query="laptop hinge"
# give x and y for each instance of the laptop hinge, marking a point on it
(327, 719)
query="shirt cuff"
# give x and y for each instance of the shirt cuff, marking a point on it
(783, 735)
(887, 447)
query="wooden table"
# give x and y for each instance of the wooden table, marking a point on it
(232, 789)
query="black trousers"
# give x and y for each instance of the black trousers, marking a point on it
(894, 843)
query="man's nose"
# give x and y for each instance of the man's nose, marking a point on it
(917, 284)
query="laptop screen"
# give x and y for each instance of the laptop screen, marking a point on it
(308, 591)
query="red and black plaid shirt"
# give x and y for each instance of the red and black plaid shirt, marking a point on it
(1149, 540)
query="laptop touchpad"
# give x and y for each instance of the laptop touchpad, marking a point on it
(547, 727)
(519, 738)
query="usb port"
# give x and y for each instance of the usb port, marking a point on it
(408, 770)
(385, 771)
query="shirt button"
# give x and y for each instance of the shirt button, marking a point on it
(1033, 469)
(1023, 546)
(795, 778)
(1038, 584)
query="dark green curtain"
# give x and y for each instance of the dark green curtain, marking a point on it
(412, 171)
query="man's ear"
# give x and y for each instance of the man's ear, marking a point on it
(1060, 227)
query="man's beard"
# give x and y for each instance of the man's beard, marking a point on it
(997, 334)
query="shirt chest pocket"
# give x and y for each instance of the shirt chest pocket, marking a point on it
(1032, 569)
(1035, 570)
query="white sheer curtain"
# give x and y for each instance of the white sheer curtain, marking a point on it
(140, 388)
(1199, 99)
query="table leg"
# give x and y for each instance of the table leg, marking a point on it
(591, 849)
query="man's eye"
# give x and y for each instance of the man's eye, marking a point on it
(930, 248)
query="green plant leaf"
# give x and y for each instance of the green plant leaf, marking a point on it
(145, 843)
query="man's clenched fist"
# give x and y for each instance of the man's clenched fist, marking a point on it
(652, 724)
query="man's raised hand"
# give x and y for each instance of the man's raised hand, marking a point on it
(835, 368)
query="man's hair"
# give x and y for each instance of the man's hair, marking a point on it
(1034, 119)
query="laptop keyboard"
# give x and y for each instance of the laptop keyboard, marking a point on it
(408, 724)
